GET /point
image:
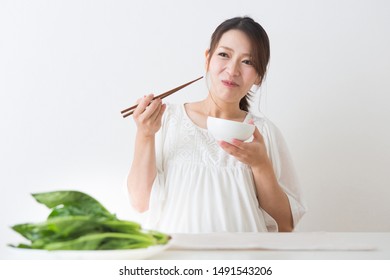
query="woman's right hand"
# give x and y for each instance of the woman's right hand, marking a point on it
(148, 115)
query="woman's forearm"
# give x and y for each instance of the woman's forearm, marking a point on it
(142, 172)
(272, 198)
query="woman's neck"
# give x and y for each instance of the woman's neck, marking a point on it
(230, 111)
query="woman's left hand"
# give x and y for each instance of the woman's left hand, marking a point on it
(252, 153)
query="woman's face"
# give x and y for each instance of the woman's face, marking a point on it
(231, 71)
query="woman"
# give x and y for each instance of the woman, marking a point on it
(189, 183)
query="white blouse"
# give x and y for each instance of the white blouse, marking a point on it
(199, 188)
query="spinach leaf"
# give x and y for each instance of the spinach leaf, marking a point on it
(58, 227)
(70, 227)
(72, 203)
(121, 226)
(79, 222)
(105, 241)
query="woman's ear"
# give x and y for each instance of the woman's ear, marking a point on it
(207, 57)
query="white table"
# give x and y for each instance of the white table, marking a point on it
(236, 250)
(280, 246)
(256, 246)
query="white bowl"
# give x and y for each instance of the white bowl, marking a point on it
(228, 130)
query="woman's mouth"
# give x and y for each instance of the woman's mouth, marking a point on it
(229, 84)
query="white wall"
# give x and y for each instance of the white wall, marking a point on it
(67, 68)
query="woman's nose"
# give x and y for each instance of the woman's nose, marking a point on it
(233, 68)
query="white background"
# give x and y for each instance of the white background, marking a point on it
(67, 69)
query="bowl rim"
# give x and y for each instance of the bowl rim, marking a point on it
(231, 121)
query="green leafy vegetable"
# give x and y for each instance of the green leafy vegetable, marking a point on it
(72, 203)
(106, 240)
(79, 222)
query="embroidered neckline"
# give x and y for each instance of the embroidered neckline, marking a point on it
(184, 111)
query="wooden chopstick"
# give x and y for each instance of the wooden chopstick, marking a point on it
(163, 95)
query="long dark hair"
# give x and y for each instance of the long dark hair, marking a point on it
(259, 41)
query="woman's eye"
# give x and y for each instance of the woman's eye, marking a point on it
(247, 62)
(222, 54)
